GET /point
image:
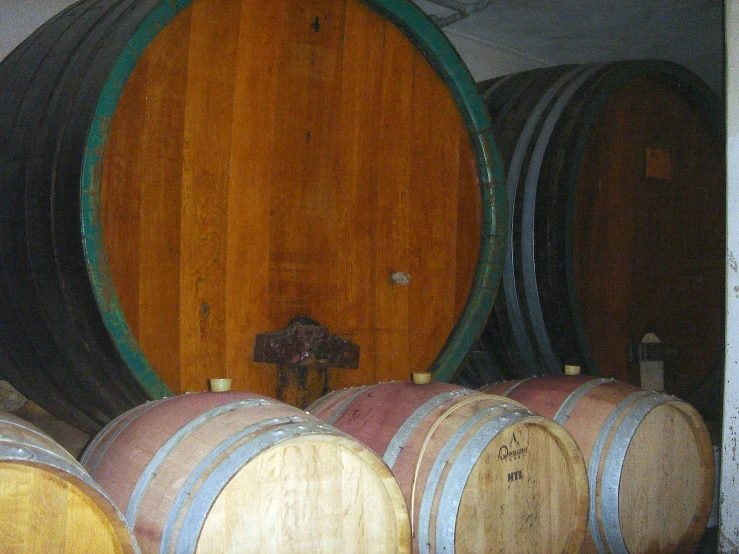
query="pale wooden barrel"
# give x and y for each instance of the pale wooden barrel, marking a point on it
(49, 503)
(236, 472)
(650, 463)
(480, 474)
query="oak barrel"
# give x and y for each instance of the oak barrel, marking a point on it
(616, 187)
(649, 456)
(479, 474)
(180, 176)
(49, 503)
(218, 472)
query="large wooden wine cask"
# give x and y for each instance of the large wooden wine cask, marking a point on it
(218, 472)
(180, 177)
(49, 503)
(649, 456)
(478, 474)
(616, 187)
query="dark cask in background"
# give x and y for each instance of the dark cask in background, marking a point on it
(616, 187)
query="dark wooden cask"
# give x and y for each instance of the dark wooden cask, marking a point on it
(649, 456)
(616, 186)
(180, 177)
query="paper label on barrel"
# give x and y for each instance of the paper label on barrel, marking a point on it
(658, 164)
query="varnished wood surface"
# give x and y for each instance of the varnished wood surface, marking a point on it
(616, 196)
(288, 167)
(46, 507)
(648, 252)
(666, 484)
(311, 492)
(525, 492)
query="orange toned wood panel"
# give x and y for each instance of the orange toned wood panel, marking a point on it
(648, 252)
(392, 230)
(205, 179)
(287, 168)
(142, 190)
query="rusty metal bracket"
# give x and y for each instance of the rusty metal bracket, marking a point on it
(303, 352)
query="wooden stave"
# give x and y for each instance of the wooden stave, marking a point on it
(117, 389)
(556, 327)
(512, 314)
(177, 418)
(616, 423)
(507, 335)
(459, 329)
(18, 60)
(513, 317)
(24, 445)
(88, 363)
(344, 409)
(95, 385)
(606, 83)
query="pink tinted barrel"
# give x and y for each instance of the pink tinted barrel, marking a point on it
(650, 462)
(479, 473)
(236, 472)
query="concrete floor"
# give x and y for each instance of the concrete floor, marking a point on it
(69, 437)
